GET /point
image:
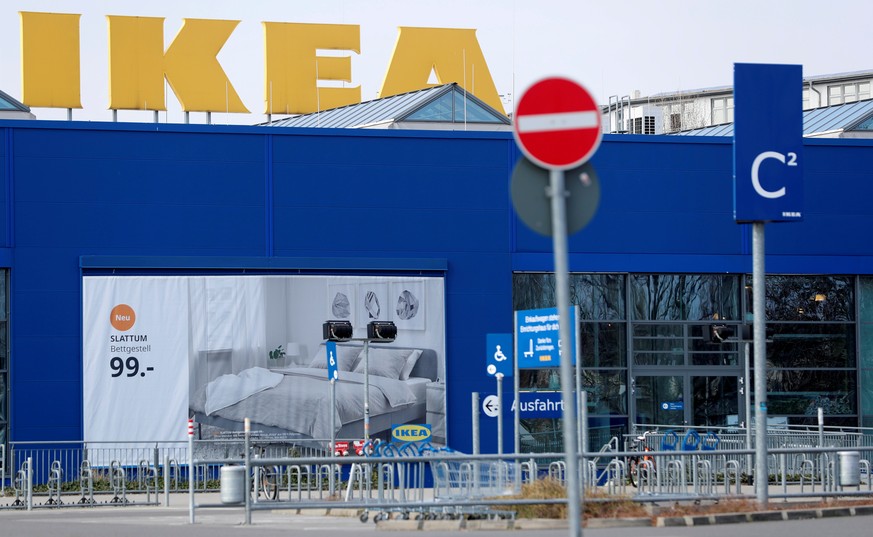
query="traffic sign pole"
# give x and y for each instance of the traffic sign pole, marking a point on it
(558, 126)
(759, 342)
(499, 377)
(562, 284)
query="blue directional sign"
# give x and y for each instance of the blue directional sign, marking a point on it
(498, 354)
(768, 143)
(538, 338)
(330, 353)
(532, 405)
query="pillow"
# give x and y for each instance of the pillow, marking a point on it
(411, 360)
(346, 358)
(386, 363)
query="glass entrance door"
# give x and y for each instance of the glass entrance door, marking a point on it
(715, 401)
(660, 399)
(686, 399)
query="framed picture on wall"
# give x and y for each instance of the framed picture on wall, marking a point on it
(341, 301)
(407, 303)
(373, 303)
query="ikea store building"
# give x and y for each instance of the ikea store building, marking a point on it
(155, 272)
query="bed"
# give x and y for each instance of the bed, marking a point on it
(295, 401)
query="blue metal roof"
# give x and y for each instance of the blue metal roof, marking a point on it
(837, 118)
(385, 111)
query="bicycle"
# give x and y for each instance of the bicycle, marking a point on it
(640, 466)
(265, 478)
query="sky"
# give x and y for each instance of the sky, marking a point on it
(612, 48)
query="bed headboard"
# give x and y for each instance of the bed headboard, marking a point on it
(426, 367)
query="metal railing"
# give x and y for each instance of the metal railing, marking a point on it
(423, 481)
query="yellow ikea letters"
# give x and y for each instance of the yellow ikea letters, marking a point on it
(292, 67)
(138, 64)
(453, 55)
(50, 50)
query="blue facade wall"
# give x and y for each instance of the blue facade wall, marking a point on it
(5, 186)
(227, 197)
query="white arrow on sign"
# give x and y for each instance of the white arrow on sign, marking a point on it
(491, 406)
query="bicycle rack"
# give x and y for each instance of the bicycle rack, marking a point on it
(300, 472)
(589, 474)
(86, 483)
(645, 472)
(616, 476)
(676, 480)
(703, 477)
(557, 470)
(147, 477)
(326, 473)
(807, 470)
(172, 473)
(731, 471)
(359, 473)
(385, 482)
(528, 469)
(56, 479)
(118, 482)
(23, 485)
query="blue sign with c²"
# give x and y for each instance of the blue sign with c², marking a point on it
(768, 143)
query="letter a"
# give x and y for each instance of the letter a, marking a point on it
(454, 55)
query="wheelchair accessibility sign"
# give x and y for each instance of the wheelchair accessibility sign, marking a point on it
(498, 355)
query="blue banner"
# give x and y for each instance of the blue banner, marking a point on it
(768, 143)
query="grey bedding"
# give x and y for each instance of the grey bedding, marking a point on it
(300, 402)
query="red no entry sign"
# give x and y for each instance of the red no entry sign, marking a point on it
(557, 123)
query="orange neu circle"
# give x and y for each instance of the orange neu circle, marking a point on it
(122, 317)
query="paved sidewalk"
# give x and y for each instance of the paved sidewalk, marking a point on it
(138, 518)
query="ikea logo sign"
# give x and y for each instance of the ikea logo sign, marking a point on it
(410, 433)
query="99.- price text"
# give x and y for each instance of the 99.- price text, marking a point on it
(129, 367)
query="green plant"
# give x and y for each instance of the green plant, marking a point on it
(277, 353)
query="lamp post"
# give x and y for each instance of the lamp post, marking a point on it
(377, 331)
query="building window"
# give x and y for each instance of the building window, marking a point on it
(848, 93)
(645, 358)
(865, 321)
(722, 110)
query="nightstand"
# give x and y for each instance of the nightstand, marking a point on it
(436, 411)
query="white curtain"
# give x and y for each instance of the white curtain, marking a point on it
(228, 313)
